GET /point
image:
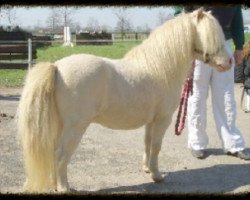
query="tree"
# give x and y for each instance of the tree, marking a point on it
(247, 16)
(10, 14)
(93, 25)
(143, 29)
(162, 17)
(106, 28)
(67, 14)
(1, 13)
(75, 27)
(123, 24)
(54, 20)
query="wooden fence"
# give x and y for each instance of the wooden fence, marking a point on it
(17, 54)
(94, 39)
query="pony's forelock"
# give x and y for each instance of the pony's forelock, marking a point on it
(208, 29)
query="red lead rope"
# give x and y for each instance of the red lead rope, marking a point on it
(186, 91)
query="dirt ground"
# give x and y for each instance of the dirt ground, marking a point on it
(109, 161)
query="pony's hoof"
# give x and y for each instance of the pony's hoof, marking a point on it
(63, 190)
(73, 190)
(25, 186)
(145, 169)
(157, 178)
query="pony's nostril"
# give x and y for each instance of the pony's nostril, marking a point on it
(221, 68)
(230, 61)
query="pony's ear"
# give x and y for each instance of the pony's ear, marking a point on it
(200, 14)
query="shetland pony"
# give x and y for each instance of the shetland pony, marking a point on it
(60, 100)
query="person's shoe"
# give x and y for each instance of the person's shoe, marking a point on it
(200, 154)
(240, 154)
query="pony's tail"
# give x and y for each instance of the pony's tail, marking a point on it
(39, 127)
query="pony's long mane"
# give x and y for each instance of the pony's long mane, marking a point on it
(166, 50)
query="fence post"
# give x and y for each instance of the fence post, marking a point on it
(29, 53)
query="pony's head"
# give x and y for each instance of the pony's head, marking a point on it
(209, 41)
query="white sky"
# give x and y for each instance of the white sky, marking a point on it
(139, 16)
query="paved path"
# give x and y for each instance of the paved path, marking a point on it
(110, 160)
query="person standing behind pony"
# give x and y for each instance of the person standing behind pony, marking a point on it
(222, 91)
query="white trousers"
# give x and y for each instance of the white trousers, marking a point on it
(223, 103)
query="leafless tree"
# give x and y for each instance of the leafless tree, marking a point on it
(67, 13)
(123, 24)
(54, 20)
(92, 25)
(106, 28)
(75, 27)
(163, 17)
(247, 16)
(1, 13)
(9, 13)
(143, 29)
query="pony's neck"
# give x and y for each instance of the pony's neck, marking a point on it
(167, 53)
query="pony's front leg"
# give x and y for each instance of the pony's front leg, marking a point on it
(70, 139)
(157, 134)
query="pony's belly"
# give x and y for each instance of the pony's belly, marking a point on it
(120, 126)
(122, 121)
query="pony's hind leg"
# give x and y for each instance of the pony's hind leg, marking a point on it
(70, 139)
(147, 143)
(157, 134)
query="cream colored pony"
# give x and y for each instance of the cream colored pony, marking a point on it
(60, 100)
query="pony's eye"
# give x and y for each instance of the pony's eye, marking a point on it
(221, 48)
(207, 58)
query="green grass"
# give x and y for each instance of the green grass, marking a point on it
(15, 78)
(12, 78)
(247, 37)
(117, 50)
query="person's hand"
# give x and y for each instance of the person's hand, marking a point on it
(238, 56)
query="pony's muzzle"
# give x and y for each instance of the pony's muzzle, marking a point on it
(222, 67)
